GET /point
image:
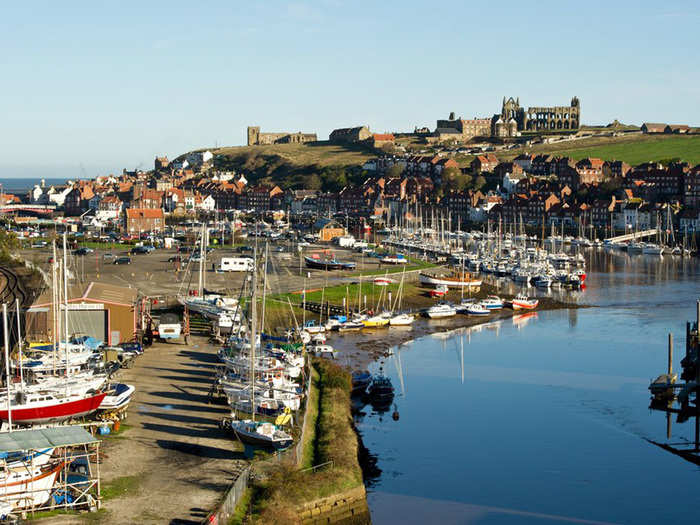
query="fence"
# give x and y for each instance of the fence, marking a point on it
(223, 514)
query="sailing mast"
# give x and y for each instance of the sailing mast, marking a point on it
(65, 299)
(7, 362)
(19, 344)
(253, 333)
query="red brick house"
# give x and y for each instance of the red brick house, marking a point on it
(144, 220)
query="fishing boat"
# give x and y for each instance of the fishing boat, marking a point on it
(401, 320)
(492, 302)
(360, 381)
(380, 388)
(523, 302)
(478, 309)
(117, 397)
(317, 263)
(394, 259)
(440, 311)
(439, 291)
(376, 321)
(455, 279)
(350, 326)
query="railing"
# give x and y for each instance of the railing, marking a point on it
(223, 514)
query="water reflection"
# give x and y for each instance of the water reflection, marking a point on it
(545, 417)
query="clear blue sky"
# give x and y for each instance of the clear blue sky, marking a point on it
(108, 85)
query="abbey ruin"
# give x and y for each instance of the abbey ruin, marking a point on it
(514, 118)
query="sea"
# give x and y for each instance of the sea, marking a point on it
(21, 186)
(544, 418)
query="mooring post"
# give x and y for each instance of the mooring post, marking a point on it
(670, 355)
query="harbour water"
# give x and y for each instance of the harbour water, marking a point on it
(543, 418)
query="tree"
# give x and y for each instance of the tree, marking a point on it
(479, 183)
(395, 171)
(311, 182)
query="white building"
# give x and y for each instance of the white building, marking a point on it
(510, 181)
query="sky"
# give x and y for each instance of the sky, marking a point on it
(89, 88)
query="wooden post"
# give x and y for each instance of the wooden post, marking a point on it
(670, 354)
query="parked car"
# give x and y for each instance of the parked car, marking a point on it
(39, 244)
(243, 249)
(184, 249)
(175, 258)
(139, 250)
(83, 251)
(122, 260)
(108, 256)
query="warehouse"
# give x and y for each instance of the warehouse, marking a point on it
(103, 311)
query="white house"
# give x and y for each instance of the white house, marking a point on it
(480, 213)
(109, 208)
(208, 203)
(197, 158)
(510, 181)
(57, 194)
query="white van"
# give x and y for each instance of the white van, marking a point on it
(235, 264)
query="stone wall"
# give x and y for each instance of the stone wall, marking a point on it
(348, 507)
(258, 138)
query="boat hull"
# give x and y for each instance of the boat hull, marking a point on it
(55, 412)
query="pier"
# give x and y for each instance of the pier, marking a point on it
(667, 392)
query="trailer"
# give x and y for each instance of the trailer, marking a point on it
(235, 264)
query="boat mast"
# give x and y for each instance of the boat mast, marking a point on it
(65, 299)
(19, 344)
(56, 319)
(7, 362)
(253, 335)
(200, 284)
(262, 315)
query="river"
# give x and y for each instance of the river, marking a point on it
(542, 418)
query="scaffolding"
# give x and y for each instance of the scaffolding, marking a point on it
(48, 469)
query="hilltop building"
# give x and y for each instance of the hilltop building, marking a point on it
(350, 135)
(257, 138)
(514, 118)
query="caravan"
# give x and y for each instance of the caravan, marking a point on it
(235, 264)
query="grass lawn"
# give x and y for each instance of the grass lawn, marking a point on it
(105, 246)
(119, 487)
(633, 149)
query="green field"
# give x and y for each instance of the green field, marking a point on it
(633, 149)
(319, 154)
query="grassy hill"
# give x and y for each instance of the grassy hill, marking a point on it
(318, 165)
(633, 149)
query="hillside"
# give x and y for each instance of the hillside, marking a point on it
(318, 165)
(633, 149)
